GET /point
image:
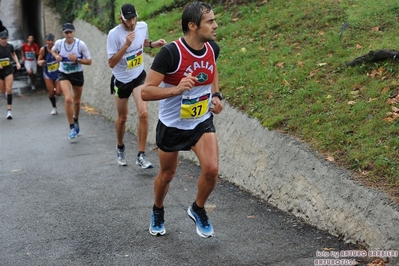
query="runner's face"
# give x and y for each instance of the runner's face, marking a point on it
(3, 41)
(129, 24)
(50, 43)
(69, 35)
(207, 29)
(30, 39)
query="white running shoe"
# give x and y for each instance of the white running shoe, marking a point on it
(9, 115)
(143, 162)
(120, 155)
(54, 111)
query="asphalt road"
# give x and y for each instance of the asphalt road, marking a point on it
(67, 202)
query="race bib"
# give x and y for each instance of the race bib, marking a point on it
(194, 106)
(134, 61)
(52, 66)
(70, 67)
(4, 62)
(30, 55)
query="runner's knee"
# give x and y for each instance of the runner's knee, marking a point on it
(68, 101)
(122, 119)
(143, 115)
(211, 171)
(167, 176)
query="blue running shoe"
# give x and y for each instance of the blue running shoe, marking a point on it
(77, 128)
(72, 133)
(204, 227)
(157, 227)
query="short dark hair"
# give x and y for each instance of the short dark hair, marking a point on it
(50, 37)
(193, 13)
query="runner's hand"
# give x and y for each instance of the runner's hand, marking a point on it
(216, 106)
(129, 38)
(186, 83)
(159, 43)
(72, 57)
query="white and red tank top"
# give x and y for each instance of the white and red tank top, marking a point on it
(186, 111)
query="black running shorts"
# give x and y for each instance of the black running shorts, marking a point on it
(5, 72)
(76, 78)
(171, 139)
(123, 90)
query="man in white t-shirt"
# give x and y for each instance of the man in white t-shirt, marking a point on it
(125, 47)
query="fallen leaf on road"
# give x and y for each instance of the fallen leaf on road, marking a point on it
(210, 207)
(330, 159)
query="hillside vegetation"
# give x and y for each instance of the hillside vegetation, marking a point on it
(284, 63)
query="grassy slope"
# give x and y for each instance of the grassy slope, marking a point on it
(283, 62)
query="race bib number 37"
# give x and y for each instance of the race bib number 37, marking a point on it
(194, 106)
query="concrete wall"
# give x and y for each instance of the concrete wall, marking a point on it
(51, 21)
(272, 166)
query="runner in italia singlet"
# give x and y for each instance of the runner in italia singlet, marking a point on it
(192, 107)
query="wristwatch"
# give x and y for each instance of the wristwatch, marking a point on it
(218, 94)
(77, 60)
